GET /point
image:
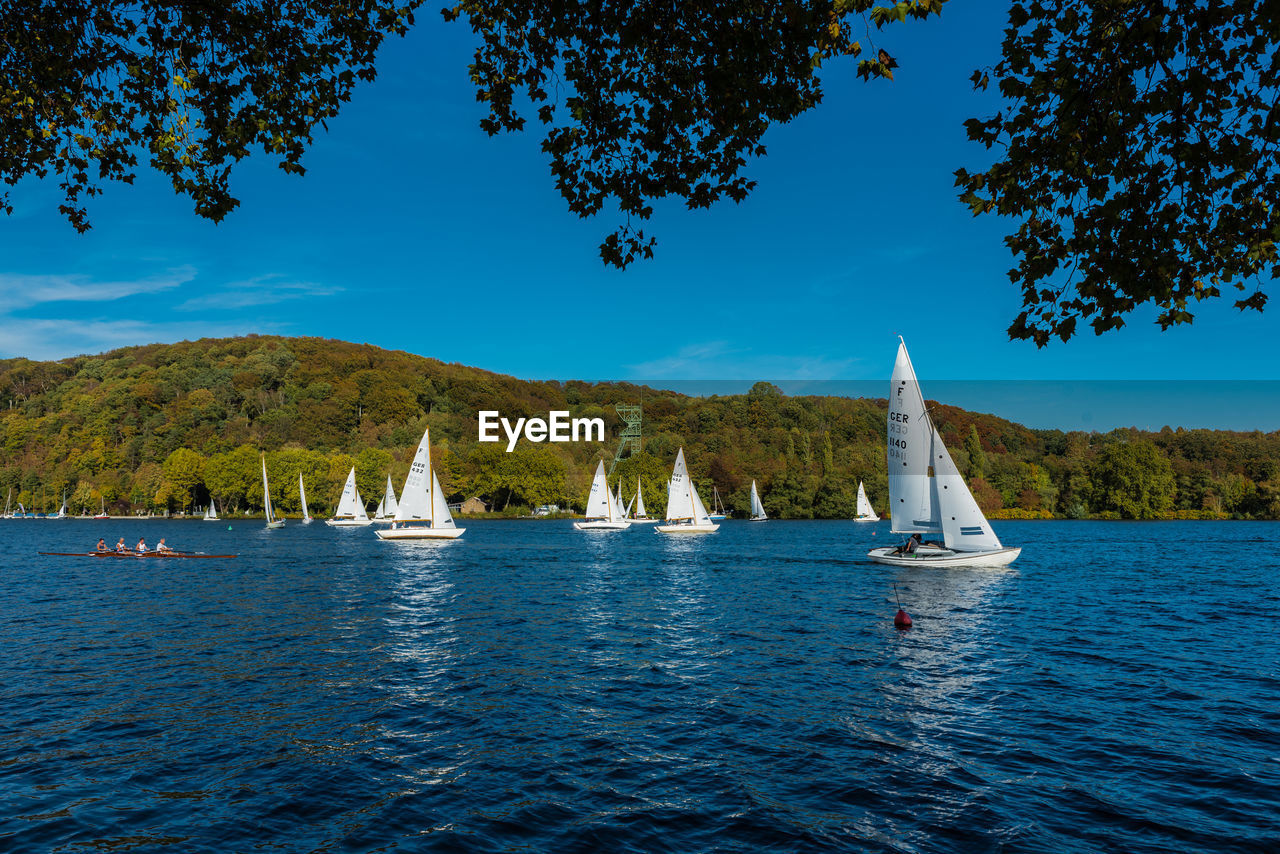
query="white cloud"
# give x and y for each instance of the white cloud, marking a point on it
(268, 289)
(716, 360)
(20, 291)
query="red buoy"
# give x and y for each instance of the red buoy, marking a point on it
(902, 619)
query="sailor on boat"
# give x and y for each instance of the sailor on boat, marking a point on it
(141, 547)
(161, 547)
(102, 544)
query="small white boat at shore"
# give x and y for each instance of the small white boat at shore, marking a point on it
(272, 521)
(604, 511)
(757, 507)
(302, 496)
(351, 512)
(640, 516)
(423, 510)
(211, 512)
(865, 512)
(927, 493)
(686, 513)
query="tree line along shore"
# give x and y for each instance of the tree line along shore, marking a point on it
(162, 428)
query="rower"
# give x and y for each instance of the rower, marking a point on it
(141, 547)
(121, 547)
(102, 544)
(161, 547)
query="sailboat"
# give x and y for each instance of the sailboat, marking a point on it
(927, 494)
(102, 514)
(272, 521)
(211, 512)
(717, 506)
(388, 505)
(865, 513)
(8, 498)
(302, 496)
(604, 511)
(351, 513)
(62, 511)
(640, 517)
(423, 510)
(685, 511)
(757, 508)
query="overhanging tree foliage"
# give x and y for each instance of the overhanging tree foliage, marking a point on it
(1138, 149)
(647, 100)
(85, 87)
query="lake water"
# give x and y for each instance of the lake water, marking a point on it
(533, 688)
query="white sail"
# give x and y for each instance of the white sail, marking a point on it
(680, 492)
(440, 515)
(388, 506)
(757, 507)
(964, 527)
(350, 505)
(302, 496)
(865, 511)
(415, 497)
(926, 491)
(640, 514)
(211, 512)
(272, 522)
(911, 493)
(600, 500)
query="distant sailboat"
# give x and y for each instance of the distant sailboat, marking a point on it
(686, 513)
(757, 508)
(718, 513)
(103, 513)
(423, 510)
(62, 511)
(927, 493)
(7, 500)
(272, 521)
(388, 506)
(302, 496)
(351, 512)
(866, 513)
(640, 517)
(603, 510)
(211, 512)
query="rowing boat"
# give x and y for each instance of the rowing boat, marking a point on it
(135, 554)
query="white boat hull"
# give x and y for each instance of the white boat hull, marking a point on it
(758, 519)
(602, 525)
(687, 529)
(279, 523)
(945, 557)
(411, 533)
(866, 518)
(348, 523)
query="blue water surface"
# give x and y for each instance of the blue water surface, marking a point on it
(534, 688)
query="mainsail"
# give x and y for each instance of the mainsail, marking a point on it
(865, 511)
(350, 504)
(600, 502)
(926, 491)
(757, 507)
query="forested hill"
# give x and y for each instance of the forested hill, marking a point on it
(165, 426)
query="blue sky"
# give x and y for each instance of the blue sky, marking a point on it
(414, 230)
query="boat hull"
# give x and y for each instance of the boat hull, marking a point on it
(758, 519)
(419, 533)
(602, 525)
(348, 523)
(687, 529)
(645, 521)
(279, 523)
(946, 558)
(866, 518)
